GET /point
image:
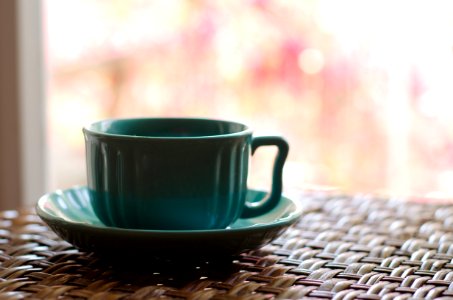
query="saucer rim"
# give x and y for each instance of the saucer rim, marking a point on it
(289, 220)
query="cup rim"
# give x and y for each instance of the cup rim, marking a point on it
(88, 129)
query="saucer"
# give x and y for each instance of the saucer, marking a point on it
(70, 215)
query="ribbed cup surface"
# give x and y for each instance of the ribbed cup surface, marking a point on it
(167, 184)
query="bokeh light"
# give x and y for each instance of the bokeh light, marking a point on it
(361, 89)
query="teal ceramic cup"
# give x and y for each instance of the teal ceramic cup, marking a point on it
(175, 174)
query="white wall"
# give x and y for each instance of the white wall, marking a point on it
(31, 99)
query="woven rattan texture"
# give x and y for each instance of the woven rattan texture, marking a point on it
(344, 247)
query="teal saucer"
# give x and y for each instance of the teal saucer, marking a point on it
(70, 215)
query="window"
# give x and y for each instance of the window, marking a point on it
(360, 89)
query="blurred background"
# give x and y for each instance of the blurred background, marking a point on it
(362, 90)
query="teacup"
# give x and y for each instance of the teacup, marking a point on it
(175, 173)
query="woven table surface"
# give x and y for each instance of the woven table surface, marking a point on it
(344, 247)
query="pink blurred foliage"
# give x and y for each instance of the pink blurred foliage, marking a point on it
(335, 119)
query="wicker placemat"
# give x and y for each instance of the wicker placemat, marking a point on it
(344, 247)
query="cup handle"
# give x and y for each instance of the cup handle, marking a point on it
(255, 208)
